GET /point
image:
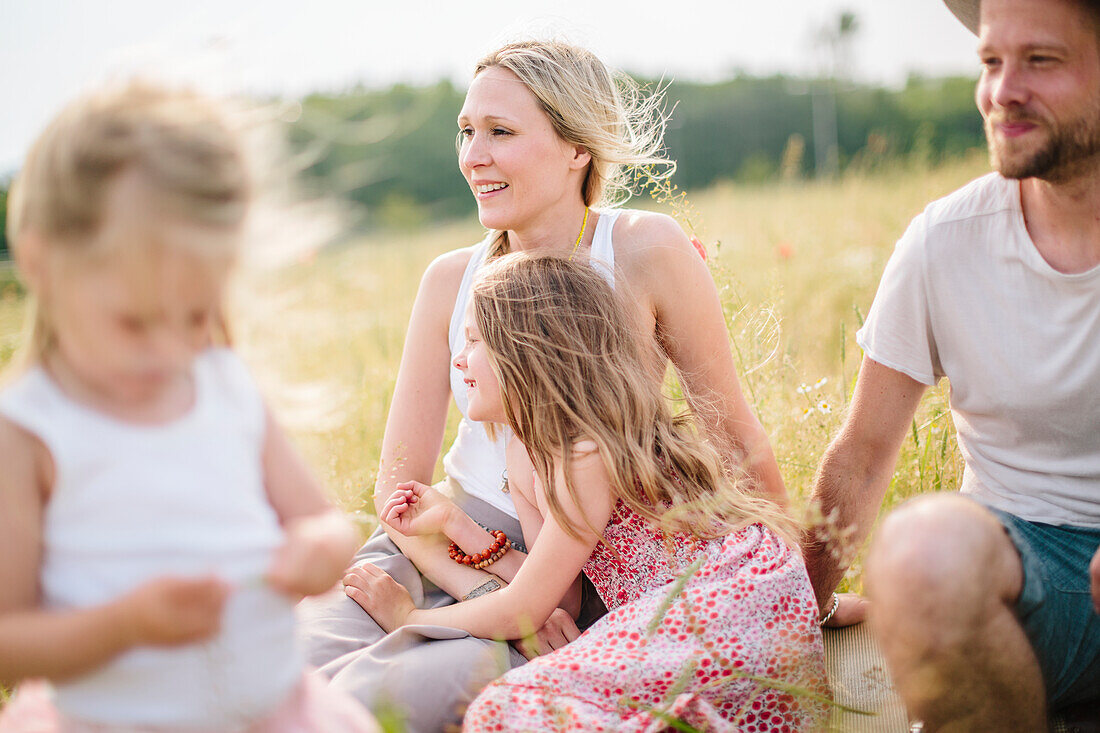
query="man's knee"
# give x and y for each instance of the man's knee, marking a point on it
(941, 553)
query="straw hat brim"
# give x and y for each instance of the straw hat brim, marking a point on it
(966, 11)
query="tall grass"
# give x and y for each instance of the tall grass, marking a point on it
(796, 264)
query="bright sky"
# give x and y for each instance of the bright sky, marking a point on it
(50, 50)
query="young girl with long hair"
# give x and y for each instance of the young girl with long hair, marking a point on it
(156, 527)
(549, 139)
(712, 620)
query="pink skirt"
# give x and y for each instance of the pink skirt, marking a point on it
(312, 707)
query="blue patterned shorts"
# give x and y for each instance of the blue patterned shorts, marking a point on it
(1055, 605)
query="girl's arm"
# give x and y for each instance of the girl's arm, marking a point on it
(418, 415)
(60, 644)
(663, 265)
(418, 509)
(546, 575)
(467, 534)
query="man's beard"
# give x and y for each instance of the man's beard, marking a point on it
(1067, 152)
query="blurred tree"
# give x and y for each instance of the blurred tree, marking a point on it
(834, 42)
(393, 150)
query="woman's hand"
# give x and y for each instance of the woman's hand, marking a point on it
(386, 600)
(417, 509)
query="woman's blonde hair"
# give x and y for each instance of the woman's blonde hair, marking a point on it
(571, 367)
(182, 143)
(605, 112)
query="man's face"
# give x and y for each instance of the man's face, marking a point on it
(1039, 91)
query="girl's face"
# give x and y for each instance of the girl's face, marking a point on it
(515, 163)
(129, 320)
(482, 387)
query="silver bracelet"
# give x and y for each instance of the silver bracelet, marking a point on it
(488, 586)
(829, 615)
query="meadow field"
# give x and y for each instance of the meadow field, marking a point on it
(796, 265)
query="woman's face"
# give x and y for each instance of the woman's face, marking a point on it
(517, 166)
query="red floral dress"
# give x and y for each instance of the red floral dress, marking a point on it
(696, 630)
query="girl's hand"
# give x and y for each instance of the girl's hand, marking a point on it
(170, 611)
(386, 600)
(418, 509)
(314, 555)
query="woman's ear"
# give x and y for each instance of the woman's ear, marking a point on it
(581, 157)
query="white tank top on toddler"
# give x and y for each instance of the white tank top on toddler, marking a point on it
(474, 461)
(134, 502)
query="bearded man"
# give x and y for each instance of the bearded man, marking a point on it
(985, 601)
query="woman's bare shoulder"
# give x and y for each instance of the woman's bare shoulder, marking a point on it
(652, 251)
(443, 276)
(450, 265)
(638, 232)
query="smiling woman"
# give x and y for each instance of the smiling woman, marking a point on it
(548, 139)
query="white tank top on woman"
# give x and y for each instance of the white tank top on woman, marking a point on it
(475, 461)
(133, 502)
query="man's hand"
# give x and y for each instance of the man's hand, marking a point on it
(851, 610)
(559, 630)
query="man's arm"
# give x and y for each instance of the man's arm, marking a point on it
(856, 471)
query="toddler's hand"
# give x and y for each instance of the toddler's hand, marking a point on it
(386, 600)
(308, 563)
(169, 611)
(417, 509)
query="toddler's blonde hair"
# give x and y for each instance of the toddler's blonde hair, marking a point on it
(183, 144)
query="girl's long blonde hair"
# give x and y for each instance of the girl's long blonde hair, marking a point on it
(570, 364)
(182, 143)
(605, 112)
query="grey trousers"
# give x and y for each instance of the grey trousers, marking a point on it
(426, 675)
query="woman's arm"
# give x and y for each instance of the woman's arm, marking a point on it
(418, 416)
(662, 264)
(546, 575)
(61, 644)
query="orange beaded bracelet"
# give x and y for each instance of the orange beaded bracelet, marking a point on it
(486, 557)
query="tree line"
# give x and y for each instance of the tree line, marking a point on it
(393, 150)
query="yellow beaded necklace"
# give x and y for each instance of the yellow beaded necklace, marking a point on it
(584, 225)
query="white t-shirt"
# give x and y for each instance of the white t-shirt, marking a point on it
(967, 296)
